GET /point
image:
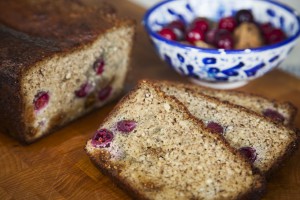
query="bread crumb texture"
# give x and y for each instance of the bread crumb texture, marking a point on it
(63, 76)
(169, 155)
(241, 128)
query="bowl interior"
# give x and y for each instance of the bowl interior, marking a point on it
(264, 11)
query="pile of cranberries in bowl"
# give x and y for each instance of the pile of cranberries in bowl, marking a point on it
(240, 31)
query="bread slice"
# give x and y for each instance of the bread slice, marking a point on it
(58, 64)
(283, 112)
(263, 141)
(152, 147)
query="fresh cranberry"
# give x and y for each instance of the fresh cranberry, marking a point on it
(102, 138)
(178, 28)
(224, 40)
(266, 28)
(84, 90)
(211, 36)
(249, 153)
(104, 93)
(275, 36)
(195, 34)
(227, 23)
(41, 100)
(215, 127)
(274, 115)
(126, 125)
(168, 33)
(244, 16)
(178, 24)
(99, 66)
(201, 24)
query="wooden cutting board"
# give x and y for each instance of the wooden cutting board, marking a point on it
(57, 167)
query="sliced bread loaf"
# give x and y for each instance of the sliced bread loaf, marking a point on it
(264, 142)
(283, 112)
(152, 147)
(58, 61)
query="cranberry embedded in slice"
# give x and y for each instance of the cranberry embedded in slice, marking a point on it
(84, 90)
(201, 24)
(249, 153)
(99, 66)
(41, 100)
(195, 34)
(215, 127)
(224, 40)
(273, 115)
(168, 33)
(102, 138)
(104, 93)
(227, 23)
(126, 125)
(244, 16)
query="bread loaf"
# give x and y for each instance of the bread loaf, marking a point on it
(59, 60)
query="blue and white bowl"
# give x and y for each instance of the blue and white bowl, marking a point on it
(221, 68)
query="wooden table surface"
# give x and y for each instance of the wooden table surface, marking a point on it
(57, 167)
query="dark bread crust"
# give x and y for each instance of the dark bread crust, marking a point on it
(35, 31)
(82, 22)
(62, 30)
(101, 158)
(288, 151)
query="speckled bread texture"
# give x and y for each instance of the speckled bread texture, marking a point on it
(170, 154)
(75, 51)
(253, 102)
(242, 127)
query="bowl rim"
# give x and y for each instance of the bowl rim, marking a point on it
(219, 51)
